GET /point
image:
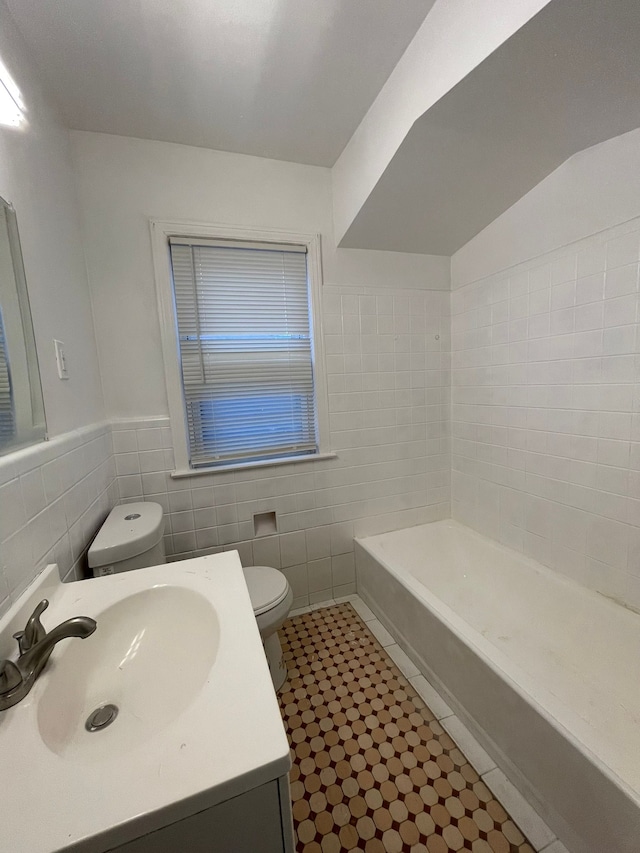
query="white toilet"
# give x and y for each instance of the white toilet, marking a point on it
(271, 597)
(131, 538)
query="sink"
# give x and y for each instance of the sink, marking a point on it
(150, 658)
(177, 652)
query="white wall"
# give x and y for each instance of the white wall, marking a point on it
(36, 176)
(386, 337)
(124, 182)
(545, 373)
(54, 494)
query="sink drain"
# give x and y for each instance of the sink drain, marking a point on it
(101, 718)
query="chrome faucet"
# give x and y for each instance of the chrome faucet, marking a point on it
(35, 647)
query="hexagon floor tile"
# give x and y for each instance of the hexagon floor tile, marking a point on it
(373, 770)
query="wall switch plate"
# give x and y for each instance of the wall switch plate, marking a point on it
(61, 360)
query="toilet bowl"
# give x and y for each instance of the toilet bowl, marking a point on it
(271, 599)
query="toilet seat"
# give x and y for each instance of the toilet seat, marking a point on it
(267, 587)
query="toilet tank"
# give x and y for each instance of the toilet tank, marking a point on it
(130, 538)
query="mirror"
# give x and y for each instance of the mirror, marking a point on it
(21, 407)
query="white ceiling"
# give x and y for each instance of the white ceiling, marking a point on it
(288, 79)
(568, 79)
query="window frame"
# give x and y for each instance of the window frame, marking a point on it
(161, 231)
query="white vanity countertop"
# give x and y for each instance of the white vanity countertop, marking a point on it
(64, 788)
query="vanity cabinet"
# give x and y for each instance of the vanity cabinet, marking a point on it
(258, 821)
(202, 769)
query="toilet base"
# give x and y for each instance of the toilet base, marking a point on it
(275, 659)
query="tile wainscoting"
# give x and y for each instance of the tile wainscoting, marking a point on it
(387, 354)
(544, 437)
(209, 513)
(387, 358)
(53, 498)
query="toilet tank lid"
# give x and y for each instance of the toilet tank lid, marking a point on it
(129, 530)
(267, 587)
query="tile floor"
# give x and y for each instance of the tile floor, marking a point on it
(374, 768)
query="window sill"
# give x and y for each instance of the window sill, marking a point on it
(243, 466)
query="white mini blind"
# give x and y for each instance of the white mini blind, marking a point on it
(244, 332)
(7, 416)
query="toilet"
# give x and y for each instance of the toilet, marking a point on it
(271, 598)
(131, 538)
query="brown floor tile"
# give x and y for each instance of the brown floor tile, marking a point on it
(373, 770)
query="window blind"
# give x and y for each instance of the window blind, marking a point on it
(244, 333)
(7, 416)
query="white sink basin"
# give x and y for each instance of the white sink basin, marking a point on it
(150, 658)
(177, 651)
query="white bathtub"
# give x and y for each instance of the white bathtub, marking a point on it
(545, 672)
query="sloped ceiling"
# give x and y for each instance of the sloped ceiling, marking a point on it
(568, 79)
(293, 79)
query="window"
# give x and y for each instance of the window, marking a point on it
(7, 414)
(249, 372)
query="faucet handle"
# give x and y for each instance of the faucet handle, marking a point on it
(34, 631)
(10, 676)
(20, 637)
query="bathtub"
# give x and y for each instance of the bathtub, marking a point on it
(544, 672)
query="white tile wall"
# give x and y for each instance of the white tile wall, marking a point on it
(545, 434)
(388, 380)
(546, 410)
(53, 498)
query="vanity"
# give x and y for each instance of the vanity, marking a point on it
(159, 732)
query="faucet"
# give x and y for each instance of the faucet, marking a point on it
(35, 647)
